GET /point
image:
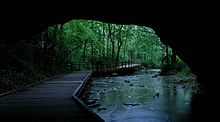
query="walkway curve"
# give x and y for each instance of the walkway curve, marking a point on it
(49, 101)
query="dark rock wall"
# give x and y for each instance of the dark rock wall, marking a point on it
(186, 28)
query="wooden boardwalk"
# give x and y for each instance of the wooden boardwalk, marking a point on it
(121, 70)
(49, 101)
(104, 66)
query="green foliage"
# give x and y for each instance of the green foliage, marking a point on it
(49, 52)
(182, 69)
(80, 39)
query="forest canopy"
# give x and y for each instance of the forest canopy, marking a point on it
(78, 40)
(53, 50)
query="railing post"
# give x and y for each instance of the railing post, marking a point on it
(92, 65)
(105, 67)
(71, 67)
(79, 65)
(101, 66)
(130, 64)
(87, 64)
(112, 66)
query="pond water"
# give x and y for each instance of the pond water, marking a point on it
(141, 97)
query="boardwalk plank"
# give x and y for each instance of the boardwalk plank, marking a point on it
(48, 101)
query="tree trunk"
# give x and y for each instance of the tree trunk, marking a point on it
(120, 42)
(55, 37)
(113, 51)
(112, 41)
(117, 56)
(124, 55)
(173, 58)
(103, 40)
(107, 47)
(167, 56)
(84, 52)
(92, 57)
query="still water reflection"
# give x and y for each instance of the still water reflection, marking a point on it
(144, 96)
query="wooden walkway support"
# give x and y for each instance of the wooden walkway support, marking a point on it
(49, 101)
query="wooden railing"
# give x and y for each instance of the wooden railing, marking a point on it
(100, 66)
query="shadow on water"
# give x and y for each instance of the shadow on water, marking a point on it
(143, 96)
